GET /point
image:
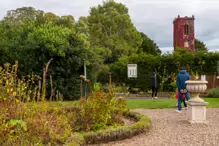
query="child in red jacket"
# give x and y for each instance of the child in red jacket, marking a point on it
(183, 100)
(184, 96)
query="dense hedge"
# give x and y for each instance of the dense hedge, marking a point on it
(167, 67)
(214, 93)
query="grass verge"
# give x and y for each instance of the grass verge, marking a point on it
(163, 104)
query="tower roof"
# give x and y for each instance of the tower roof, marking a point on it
(183, 18)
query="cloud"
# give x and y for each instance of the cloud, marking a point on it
(153, 17)
(167, 50)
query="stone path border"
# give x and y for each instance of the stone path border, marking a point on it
(172, 129)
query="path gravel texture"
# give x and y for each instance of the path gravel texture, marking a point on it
(172, 129)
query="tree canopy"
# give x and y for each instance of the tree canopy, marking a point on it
(33, 37)
(200, 46)
(148, 45)
(111, 28)
(106, 39)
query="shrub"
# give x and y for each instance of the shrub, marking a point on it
(214, 93)
(99, 111)
(120, 89)
(12, 87)
(23, 122)
(98, 86)
(25, 119)
(38, 123)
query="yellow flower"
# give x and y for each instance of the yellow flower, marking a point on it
(14, 93)
(8, 90)
(17, 100)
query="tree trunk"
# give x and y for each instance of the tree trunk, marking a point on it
(44, 79)
(52, 90)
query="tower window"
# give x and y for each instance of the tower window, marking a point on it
(186, 29)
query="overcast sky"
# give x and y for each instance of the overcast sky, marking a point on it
(153, 17)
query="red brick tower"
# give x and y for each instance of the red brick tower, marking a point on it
(184, 33)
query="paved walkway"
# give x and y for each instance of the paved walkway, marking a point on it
(172, 129)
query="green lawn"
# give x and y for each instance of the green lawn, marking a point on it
(149, 104)
(161, 104)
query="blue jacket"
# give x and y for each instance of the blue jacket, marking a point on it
(181, 79)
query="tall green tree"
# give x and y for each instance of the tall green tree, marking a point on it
(149, 46)
(82, 26)
(111, 28)
(21, 15)
(33, 37)
(200, 46)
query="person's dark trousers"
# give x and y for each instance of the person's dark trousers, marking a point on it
(180, 100)
(154, 91)
(184, 102)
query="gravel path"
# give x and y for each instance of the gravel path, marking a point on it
(172, 129)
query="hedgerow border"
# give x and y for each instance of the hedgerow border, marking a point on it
(143, 124)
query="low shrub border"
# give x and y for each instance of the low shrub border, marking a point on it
(143, 123)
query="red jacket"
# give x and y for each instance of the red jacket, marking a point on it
(184, 96)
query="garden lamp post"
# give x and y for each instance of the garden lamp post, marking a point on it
(85, 72)
(86, 88)
(83, 80)
(85, 83)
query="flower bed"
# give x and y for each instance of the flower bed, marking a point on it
(142, 124)
(28, 119)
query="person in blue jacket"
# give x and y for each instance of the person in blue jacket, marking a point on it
(182, 77)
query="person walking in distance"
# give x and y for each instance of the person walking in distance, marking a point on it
(182, 77)
(154, 86)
